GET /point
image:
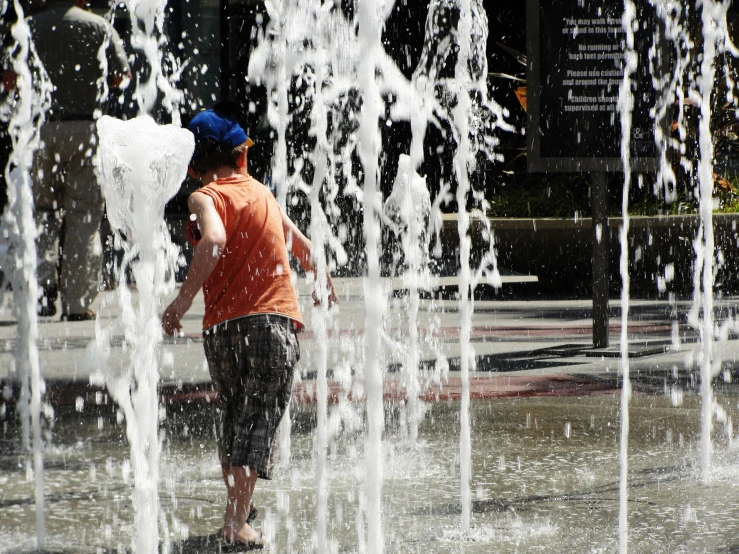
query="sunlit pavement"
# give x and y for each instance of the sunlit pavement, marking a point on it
(518, 348)
(544, 459)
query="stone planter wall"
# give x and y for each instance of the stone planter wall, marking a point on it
(559, 252)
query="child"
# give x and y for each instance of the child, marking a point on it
(251, 308)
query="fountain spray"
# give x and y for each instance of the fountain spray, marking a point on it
(27, 117)
(301, 42)
(320, 319)
(460, 117)
(713, 19)
(369, 148)
(147, 25)
(142, 165)
(625, 108)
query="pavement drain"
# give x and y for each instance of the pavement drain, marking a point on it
(637, 349)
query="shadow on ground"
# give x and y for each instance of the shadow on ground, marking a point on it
(599, 495)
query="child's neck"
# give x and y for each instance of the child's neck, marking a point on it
(223, 172)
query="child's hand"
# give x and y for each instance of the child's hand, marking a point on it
(171, 318)
(332, 297)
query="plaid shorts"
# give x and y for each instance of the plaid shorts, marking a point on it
(251, 361)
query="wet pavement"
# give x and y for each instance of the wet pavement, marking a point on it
(519, 347)
(545, 435)
(544, 479)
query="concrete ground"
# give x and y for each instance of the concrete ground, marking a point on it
(561, 469)
(520, 347)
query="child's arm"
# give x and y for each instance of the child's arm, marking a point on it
(298, 243)
(300, 246)
(204, 259)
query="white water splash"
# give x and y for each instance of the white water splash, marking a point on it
(671, 86)
(141, 165)
(319, 234)
(407, 211)
(26, 116)
(147, 35)
(369, 149)
(461, 161)
(625, 108)
(713, 19)
(332, 66)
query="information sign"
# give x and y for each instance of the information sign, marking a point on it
(575, 68)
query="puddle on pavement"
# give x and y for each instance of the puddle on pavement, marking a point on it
(545, 479)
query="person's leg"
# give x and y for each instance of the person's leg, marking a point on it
(224, 352)
(48, 182)
(251, 364)
(240, 482)
(83, 204)
(268, 391)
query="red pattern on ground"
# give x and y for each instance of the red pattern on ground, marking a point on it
(65, 394)
(494, 386)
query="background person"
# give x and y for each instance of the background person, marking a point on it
(68, 40)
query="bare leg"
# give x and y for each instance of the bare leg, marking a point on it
(240, 482)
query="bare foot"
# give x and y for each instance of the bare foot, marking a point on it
(246, 536)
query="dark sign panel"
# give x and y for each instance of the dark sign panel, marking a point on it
(575, 68)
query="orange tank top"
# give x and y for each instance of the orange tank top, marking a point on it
(252, 275)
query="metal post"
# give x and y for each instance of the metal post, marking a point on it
(599, 203)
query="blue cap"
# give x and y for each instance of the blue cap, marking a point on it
(218, 129)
